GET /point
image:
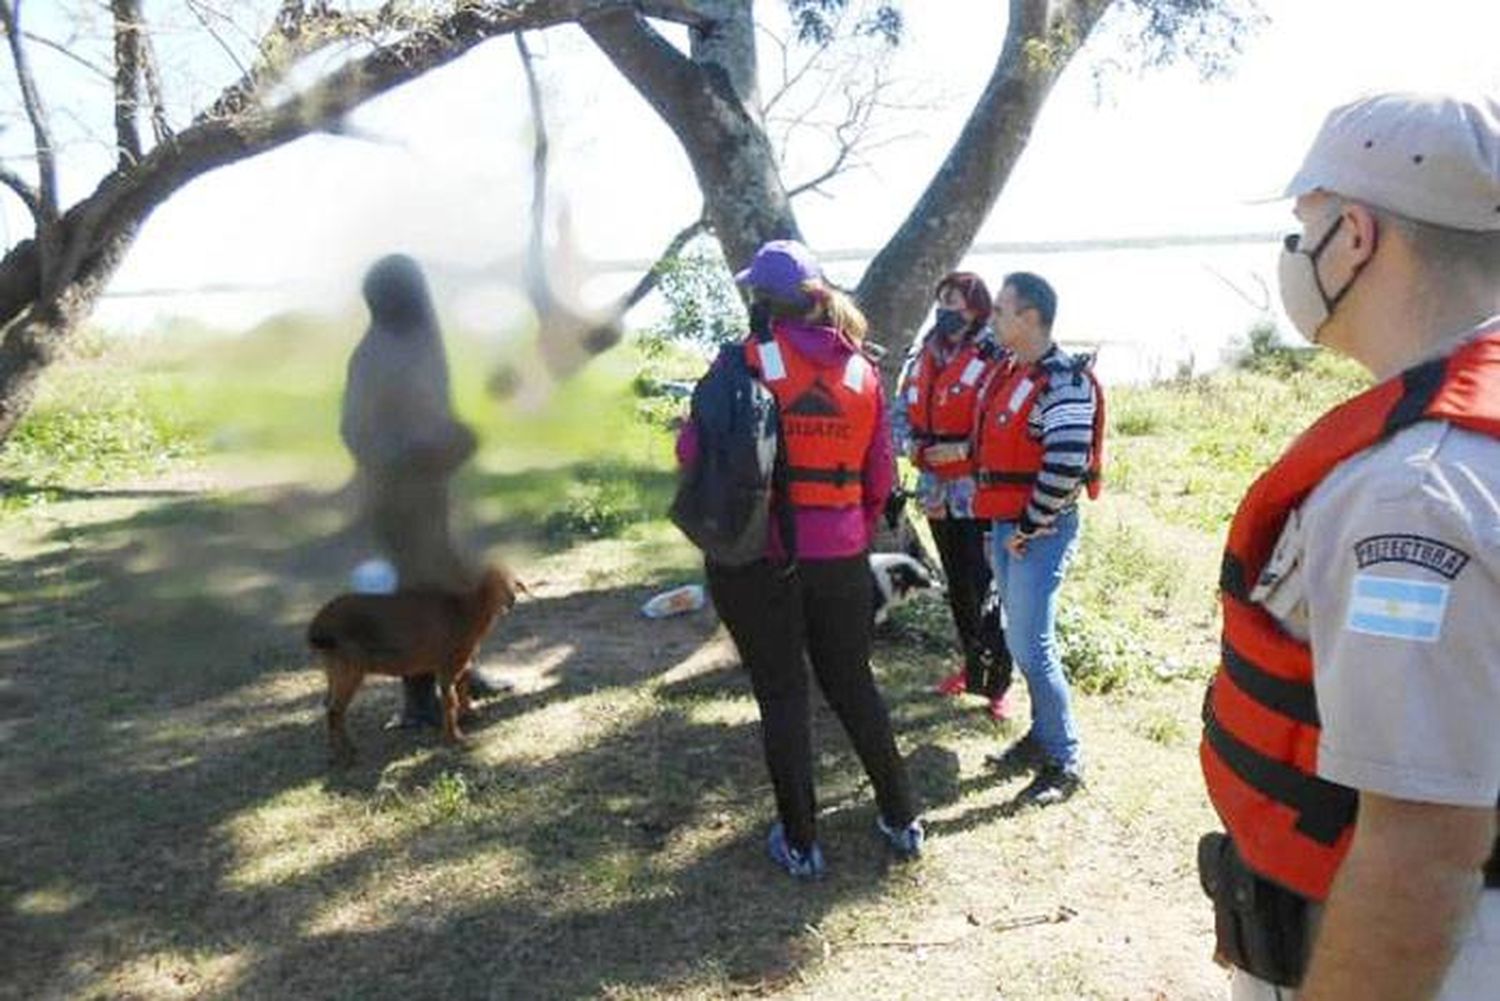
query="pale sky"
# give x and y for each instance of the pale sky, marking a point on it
(1163, 153)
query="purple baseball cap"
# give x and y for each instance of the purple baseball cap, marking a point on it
(779, 270)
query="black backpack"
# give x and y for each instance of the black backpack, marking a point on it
(725, 500)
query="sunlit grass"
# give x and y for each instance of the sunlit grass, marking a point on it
(604, 836)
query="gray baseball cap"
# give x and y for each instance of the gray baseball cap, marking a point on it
(1434, 158)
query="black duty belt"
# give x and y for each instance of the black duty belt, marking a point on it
(939, 439)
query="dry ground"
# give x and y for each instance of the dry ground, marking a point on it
(170, 827)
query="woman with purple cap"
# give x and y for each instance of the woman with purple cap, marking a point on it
(815, 604)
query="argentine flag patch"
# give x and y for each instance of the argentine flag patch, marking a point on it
(1400, 609)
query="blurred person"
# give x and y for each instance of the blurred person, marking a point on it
(397, 422)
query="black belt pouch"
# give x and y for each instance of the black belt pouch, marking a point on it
(1259, 926)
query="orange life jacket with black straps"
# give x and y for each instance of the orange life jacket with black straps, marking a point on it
(1008, 458)
(940, 400)
(828, 419)
(1260, 738)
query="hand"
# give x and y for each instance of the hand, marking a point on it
(1018, 541)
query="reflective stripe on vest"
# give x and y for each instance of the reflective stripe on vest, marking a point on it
(828, 418)
(940, 403)
(1007, 457)
(1261, 726)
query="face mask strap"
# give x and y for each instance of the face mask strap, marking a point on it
(1330, 303)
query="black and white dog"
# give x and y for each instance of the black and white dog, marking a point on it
(900, 563)
(898, 577)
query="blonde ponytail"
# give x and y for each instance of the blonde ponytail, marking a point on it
(838, 310)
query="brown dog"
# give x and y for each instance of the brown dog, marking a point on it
(407, 633)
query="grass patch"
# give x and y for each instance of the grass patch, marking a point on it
(613, 809)
(102, 415)
(1191, 448)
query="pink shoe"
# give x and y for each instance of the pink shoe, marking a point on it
(1000, 708)
(956, 683)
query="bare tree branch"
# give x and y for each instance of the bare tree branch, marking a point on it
(704, 115)
(124, 198)
(67, 53)
(652, 277)
(297, 34)
(161, 129)
(128, 32)
(44, 208)
(23, 191)
(791, 77)
(850, 133)
(197, 10)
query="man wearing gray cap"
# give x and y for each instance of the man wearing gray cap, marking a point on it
(1352, 732)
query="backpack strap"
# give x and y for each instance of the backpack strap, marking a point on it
(772, 368)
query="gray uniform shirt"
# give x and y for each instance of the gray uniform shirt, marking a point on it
(1391, 569)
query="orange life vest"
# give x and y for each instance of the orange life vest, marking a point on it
(940, 401)
(828, 419)
(1007, 457)
(1260, 738)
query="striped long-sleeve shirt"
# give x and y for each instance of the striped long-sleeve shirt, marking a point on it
(1063, 420)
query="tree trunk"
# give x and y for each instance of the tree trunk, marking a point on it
(32, 341)
(896, 289)
(715, 115)
(719, 129)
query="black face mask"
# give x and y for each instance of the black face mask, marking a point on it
(948, 322)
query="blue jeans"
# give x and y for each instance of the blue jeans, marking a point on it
(1028, 592)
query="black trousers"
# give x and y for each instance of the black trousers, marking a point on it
(960, 546)
(820, 613)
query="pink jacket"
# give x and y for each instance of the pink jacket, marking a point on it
(825, 533)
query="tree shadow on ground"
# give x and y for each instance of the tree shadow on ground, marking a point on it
(23, 489)
(169, 817)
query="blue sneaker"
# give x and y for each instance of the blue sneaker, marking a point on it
(905, 842)
(798, 864)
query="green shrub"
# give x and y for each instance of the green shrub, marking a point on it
(703, 306)
(450, 795)
(603, 499)
(593, 511)
(1099, 654)
(93, 426)
(1135, 421)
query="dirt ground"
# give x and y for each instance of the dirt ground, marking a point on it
(170, 826)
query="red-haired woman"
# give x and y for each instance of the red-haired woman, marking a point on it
(932, 421)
